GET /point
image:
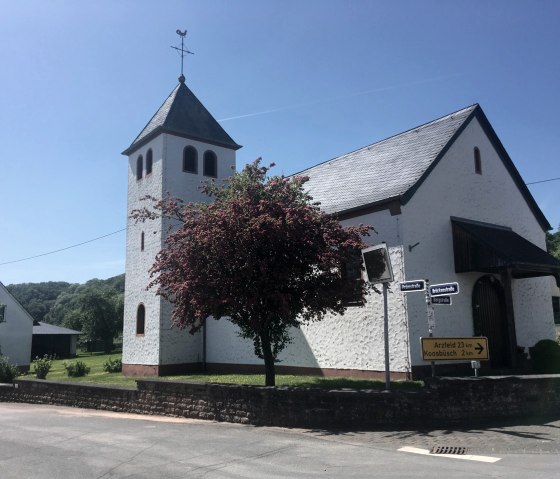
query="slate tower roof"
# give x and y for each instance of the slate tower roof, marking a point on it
(182, 114)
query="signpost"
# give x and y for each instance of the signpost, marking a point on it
(435, 294)
(454, 349)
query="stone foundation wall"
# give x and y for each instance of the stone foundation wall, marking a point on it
(442, 402)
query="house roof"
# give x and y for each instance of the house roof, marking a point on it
(394, 168)
(182, 114)
(45, 328)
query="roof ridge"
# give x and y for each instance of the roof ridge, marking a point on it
(423, 125)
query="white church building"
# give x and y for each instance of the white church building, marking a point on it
(446, 199)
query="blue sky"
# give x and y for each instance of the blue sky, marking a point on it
(296, 81)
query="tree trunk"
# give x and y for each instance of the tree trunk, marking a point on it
(270, 376)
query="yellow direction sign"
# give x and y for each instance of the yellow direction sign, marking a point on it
(454, 349)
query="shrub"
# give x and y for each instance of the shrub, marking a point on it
(112, 365)
(545, 357)
(76, 369)
(7, 371)
(42, 366)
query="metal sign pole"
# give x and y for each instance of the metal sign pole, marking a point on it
(431, 320)
(386, 337)
(371, 257)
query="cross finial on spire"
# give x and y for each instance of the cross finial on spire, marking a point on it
(182, 52)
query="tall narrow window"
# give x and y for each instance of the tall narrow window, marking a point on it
(352, 271)
(142, 241)
(477, 161)
(555, 309)
(149, 161)
(210, 164)
(190, 159)
(139, 167)
(140, 319)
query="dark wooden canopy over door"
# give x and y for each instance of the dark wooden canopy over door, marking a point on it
(490, 320)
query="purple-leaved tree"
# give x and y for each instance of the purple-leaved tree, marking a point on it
(260, 254)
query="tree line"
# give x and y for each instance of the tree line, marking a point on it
(553, 243)
(95, 308)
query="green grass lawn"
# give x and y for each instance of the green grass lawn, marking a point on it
(98, 376)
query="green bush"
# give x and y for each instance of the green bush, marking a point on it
(545, 357)
(42, 366)
(8, 371)
(112, 365)
(76, 369)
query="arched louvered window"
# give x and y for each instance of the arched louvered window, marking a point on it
(477, 161)
(149, 161)
(190, 159)
(140, 319)
(139, 167)
(210, 164)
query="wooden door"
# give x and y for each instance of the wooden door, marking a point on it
(489, 318)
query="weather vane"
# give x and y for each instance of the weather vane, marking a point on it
(182, 51)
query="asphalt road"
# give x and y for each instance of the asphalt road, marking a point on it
(65, 443)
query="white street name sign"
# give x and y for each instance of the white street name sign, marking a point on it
(416, 285)
(444, 289)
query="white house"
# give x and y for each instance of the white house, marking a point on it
(16, 329)
(444, 196)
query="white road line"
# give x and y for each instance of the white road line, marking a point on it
(466, 457)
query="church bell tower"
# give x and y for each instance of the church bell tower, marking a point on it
(179, 148)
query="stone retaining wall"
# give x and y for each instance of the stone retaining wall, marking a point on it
(442, 402)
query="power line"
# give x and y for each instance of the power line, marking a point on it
(62, 249)
(123, 229)
(542, 181)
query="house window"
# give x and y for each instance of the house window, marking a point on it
(140, 319)
(149, 160)
(556, 309)
(139, 167)
(477, 161)
(2, 313)
(210, 164)
(352, 271)
(142, 241)
(190, 160)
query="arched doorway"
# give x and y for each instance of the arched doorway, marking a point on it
(490, 320)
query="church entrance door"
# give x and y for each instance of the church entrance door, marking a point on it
(490, 320)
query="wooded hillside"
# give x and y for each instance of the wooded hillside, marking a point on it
(95, 308)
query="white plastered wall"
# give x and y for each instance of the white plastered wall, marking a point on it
(179, 346)
(350, 341)
(160, 344)
(454, 189)
(142, 349)
(16, 331)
